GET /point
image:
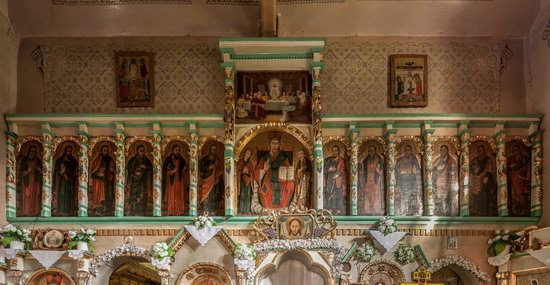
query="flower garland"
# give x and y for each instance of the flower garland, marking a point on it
(84, 235)
(404, 254)
(501, 239)
(11, 233)
(122, 250)
(386, 225)
(461, 262)
(366, 252)
(202, 222)
(307, 244)
(162, 255)
(245, 257)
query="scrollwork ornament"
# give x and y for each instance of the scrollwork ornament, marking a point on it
(464, 173)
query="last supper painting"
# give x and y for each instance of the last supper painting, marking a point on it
(282, 96)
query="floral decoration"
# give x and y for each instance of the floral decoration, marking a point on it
(366, 252)
(404, 254)
(501, 240)
(386, 225)
(162, 255)
(331, 245)
(83, 235)
(245, 257)
(122, 250)
(203, 222)
(10, 233)
(461, 262)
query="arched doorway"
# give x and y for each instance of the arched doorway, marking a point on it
(294, 268)
(135, 271)
(447, 276)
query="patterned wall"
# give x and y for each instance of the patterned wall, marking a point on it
(462, 77)
(81, 77)
(533, 279)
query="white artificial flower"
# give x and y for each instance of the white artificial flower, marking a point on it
(72, 234)
(390, 222)
(497, 232)
(505, 237)
(208, 223)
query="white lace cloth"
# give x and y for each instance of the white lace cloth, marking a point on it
(542, 255)
(46, 257)
(9, 253)
(388, 241)
(203, 235)
(76, 253)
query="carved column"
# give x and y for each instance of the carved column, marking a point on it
(47, 135)
(15, 271)
(164, 277)
(354, 141)
(228, 69)
(11, 191)
(504, 278)
(242, 277)
(193, 168)
(464, 134)
(429, 197)
(157, 170)
(536, 171)
(390, 177)
(315, 69)
(83, 138)
(83, 271)
(502, 181)
(120, 176)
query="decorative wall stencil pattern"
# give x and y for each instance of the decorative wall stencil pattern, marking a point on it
(81, 78)
(117, 2)
(463, 76)
(533, 279)
(309, 1)
(38, 58)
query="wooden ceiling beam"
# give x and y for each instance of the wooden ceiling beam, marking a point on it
(268, 14)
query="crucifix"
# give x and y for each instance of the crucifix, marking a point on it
(421, 276)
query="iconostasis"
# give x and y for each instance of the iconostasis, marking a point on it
(272, 191)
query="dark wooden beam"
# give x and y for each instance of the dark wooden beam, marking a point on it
(268, 13)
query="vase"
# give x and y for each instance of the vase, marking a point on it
(17, 244)
(82, 245)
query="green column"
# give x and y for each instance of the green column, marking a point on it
(83, 138)
(157, 170)
(120, 178)
(464, 134)
(536, 172)
(228, 69)
(391, 161)
(193, 168)
(354, 140)
(502, 181)
(47, 138)
(11, 190)
(315, 69)
(429, 197)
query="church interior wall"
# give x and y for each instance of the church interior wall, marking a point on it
(537, 72)
(467, 75)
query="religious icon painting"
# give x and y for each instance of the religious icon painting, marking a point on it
(408, 80)
(102, 171)
(29, 171)
(273, 96)
(482, 179)
(371, 181)
(138, 194)
(295, 226)
(336, 177)
(445, 175)
(280, 170)
(211, 178)
(408, 178)
(50, 277)
(65, 179)
(135, 79)
(518, 166)
(175, 178)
